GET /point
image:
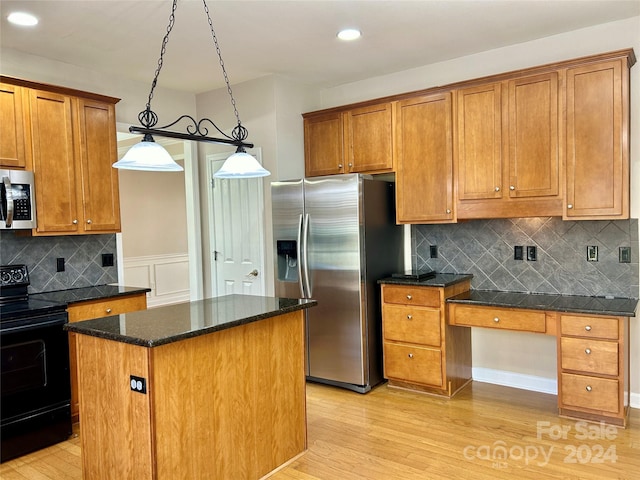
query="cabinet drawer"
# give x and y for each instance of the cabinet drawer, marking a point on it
(424, 296)
(593, 356)
(104, 308)
(413, 364)
(474, 316)
(411, 324)
(592, 327)
(590, 392)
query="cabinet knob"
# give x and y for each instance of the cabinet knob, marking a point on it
(570, 206)
(409, 297)
(350, 164)
(89, 221)
(75, 222)
(588, 328)
(108, 310)
(587, 351)
(496, 319)
(448, 211)
(409, 317)
(339, 165)
(410, 355)
(497, 189)
(588, 388)
(512, 187)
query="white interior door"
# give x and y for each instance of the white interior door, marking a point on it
(237, 232)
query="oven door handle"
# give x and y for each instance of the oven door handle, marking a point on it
(59, 319)
(8, 193)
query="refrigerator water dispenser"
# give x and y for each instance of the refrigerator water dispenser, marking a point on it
(287, 260)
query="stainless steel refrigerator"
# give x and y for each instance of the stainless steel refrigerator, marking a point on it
(334, 238)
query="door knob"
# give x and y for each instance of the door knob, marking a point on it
(253, 273)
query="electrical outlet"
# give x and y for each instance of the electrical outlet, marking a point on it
(138, 384)
(433, 251)
(59, 264)
(532, 253)
(518, 252)
(592, 253)
(624, 255)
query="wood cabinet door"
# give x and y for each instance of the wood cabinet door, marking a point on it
(54, 163)
(424, 173)
(12, 139)
(98, 151)
(597, 149)
(479, 141)
(369, 139)
(534, 158)
(324, 145)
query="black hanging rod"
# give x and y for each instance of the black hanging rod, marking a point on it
(187, 136)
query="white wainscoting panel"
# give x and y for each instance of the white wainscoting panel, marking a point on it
(166, 275)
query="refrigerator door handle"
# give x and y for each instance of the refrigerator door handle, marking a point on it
(305, 256)
(299, 255)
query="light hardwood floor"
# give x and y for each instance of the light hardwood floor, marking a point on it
(391, 434)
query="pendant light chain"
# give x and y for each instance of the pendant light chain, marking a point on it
(239, 132)
(148, 117)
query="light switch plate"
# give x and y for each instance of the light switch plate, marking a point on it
(592, 253)
(624, 255)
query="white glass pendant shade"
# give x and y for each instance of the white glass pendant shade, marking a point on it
(241, 165)
(148, 156)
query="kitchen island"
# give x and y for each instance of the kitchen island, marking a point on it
(206, 389)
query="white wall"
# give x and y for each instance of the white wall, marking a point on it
(520, 359)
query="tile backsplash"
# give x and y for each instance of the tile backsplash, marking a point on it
(485, 248)
(82, 255)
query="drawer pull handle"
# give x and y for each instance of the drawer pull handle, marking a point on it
(410, 355)
(409, 297)
(496, 319)
(588, 388)
(108, 310)
(409, 317)
(588, 328)
(587, 351)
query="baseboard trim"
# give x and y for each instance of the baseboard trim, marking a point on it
(515, 380)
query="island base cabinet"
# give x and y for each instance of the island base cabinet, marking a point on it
(229, 404)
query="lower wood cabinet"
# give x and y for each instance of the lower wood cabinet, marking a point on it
(593, 368)
(421, 351)
(89, 310)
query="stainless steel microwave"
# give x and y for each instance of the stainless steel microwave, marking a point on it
(18, 205)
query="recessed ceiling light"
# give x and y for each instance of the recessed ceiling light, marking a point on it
(349, 34)
(23, 19)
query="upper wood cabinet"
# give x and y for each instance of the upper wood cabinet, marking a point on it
(369, 139)
(424, 176)
(13, 151)
(508, 156)
(358, 140)
(324, 144)
(54, 162)
(71, 147)
(597, 120)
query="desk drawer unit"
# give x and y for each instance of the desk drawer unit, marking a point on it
(593, 367)
(421, 352)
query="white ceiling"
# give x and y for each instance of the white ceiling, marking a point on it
(291, 38)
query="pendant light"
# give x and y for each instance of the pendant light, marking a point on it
(149, 156)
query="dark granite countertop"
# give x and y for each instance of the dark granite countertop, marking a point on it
(172, 323)
(619, 307)
(439, 280)
(83, 294)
